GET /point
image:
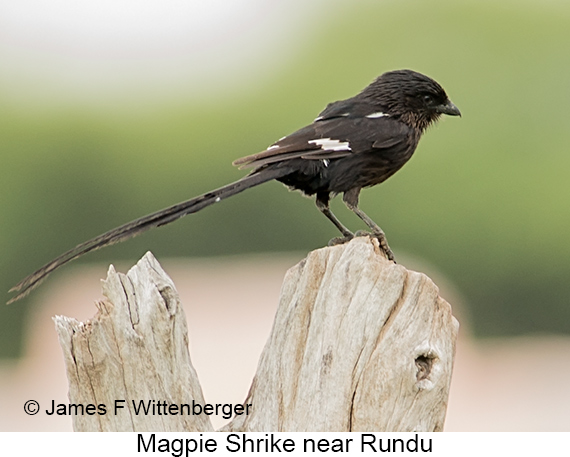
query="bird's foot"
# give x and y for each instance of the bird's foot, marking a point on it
(341, 240)
(382, 241)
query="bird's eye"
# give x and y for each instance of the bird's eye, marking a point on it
(427, 98)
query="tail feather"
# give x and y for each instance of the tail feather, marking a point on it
(138, 226)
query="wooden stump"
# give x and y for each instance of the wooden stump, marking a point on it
(358, 344)
(135, 348)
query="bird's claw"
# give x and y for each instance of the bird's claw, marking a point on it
(388, 252)
(340, 240)
(382, 241)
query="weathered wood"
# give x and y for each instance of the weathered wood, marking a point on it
(135, 348)
(358, 344)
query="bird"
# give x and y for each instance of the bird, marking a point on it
(353, 144)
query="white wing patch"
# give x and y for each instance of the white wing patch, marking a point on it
(377, 115)
(332, 145)
(320, 118)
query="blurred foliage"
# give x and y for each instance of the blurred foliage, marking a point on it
(484, 198)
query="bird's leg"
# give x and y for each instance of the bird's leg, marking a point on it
(350, 199)
(322, 202)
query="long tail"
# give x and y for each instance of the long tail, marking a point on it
(133, 228)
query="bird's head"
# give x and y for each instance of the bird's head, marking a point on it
(410, 96)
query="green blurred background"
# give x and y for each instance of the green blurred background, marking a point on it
(484, 199)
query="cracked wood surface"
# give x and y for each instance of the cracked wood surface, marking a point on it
(135, 348)
(358, 344)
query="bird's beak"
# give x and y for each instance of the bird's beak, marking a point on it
(448, 108)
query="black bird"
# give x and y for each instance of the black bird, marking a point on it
(354, 143)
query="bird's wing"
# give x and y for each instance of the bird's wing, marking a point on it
(339, 131)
